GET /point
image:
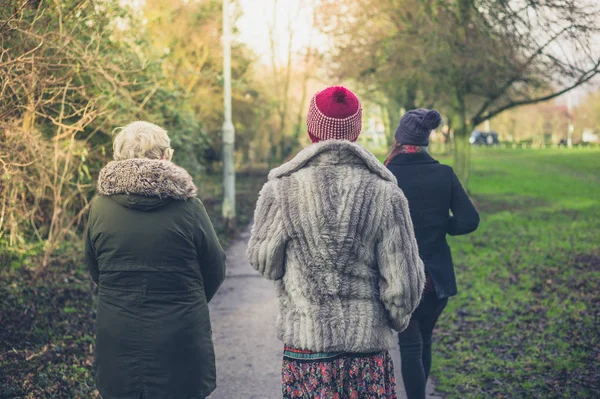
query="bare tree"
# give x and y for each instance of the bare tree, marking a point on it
(308, 73)
(282, 74)
(472, 59)
(510, 54)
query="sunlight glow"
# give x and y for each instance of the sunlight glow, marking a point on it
(259, 16)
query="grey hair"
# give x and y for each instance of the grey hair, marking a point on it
(141, 140)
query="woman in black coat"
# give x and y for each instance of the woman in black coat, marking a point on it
(432, 190)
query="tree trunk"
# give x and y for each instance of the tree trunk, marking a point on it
(274, 153)
(462, 151)
(29, 114)
(410, 102)
(447, 140)
(393, 118)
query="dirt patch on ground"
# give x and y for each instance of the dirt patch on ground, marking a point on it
(512, 203)
(582, 325)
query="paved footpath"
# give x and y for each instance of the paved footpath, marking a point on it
(243, 321)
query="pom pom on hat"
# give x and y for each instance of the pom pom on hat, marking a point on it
(334, 114)
(339, 95)
(416, 126)
(432, 119)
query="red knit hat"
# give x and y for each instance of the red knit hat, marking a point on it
(334, 114)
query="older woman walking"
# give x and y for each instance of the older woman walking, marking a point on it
(333, 230)
(153, 252)
(432, 190)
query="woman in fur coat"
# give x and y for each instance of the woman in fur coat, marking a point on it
(152, 250)
(333, 230)
(433, 190)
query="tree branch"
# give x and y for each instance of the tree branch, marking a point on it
(14, 14)
(518, 76)
(583, 79)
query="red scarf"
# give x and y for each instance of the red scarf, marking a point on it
(403, 149)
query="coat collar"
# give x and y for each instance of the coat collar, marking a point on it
(333, 152)
(146, 177)
(413, 158)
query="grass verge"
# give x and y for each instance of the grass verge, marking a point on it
(525, 322)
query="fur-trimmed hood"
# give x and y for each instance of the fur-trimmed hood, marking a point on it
(148, 178)
(333, 152)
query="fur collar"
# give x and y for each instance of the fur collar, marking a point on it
(338, 152)
(147, 177)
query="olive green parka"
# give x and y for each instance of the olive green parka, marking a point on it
(153, 252)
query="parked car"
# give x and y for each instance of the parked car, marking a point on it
(589, 136)
(484, 138)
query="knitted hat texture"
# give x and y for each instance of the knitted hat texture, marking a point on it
(416, 126)
(334, 114)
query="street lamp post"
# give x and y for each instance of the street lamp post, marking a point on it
(228, 128)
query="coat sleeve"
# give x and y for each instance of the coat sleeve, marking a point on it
(90, 252)
(211, 257)
(266, 249)
(465, 218)
(401, 270)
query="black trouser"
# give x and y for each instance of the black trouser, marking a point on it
(415, 345)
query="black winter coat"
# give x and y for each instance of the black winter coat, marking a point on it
(433, 190)
(153, 252)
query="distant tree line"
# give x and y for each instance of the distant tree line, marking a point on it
(548, 123)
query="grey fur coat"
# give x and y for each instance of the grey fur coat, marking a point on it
(333, 230)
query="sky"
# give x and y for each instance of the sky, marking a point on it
(255, 18)
(258, 15)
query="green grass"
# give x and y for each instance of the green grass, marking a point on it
(525, 321)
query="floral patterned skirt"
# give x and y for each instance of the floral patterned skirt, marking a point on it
(310, 375)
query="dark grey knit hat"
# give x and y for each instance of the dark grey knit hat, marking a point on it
(416, 126)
